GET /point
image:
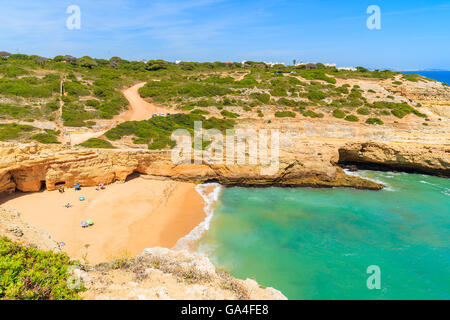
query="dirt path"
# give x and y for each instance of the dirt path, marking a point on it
(77, 138)
(139, 109)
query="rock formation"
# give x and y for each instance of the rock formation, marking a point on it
(31, 167)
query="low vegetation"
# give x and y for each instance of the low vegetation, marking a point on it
(30, 87)
(157, 131)
(97, 143)
(338, 113)
(351, 118)
(30, 274)
(374, 121)
(284, 114)
(13, 131)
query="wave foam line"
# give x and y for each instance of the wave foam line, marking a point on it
(360, 174)
(196, 234)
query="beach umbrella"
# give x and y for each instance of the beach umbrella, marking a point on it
(77, 186)
(84, 224)
(90, 222)
(81, 198)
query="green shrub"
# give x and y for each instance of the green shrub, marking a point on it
(157, 131)
(374, 121)
(292, 103)
(30, 87)
(261, 97)
(315, 74)
(75, 115)
(397, 109)
(45, 138)
(284, 114)
(19, 112)
(229, 114)
(411, 77)
(52, 106)
(278, 92)
(10, 131)
(338, 113)
(363, 111)
(397, 83)
(30, 274)
(12, 71)
(75, 88)
(200, 111)
(316, 95)
(351, 118)
(312, 114)
(97, 143)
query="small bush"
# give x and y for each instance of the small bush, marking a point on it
(363, 111)
(200, 111)
(10, 131)
(261, 97)
(351, 118)
(338, 113)
(312, 114)
(374, 121)
(284, 114)
(228, 114)
(45, 138)
(97, 143)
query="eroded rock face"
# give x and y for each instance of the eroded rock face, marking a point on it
(413, 157)
(31, 167)
(13, 227)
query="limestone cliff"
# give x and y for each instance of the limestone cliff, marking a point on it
(427, 159)
(31, 167)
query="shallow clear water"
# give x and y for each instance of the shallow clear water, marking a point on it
(318, 243)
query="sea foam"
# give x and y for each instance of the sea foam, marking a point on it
(196, 234)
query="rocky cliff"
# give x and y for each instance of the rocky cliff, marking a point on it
(163, 274)
(32, 167)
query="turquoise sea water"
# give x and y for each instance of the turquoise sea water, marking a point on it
(318, 243)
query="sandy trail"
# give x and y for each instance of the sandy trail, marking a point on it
(128, 217)
(139, 109)
(77, 138)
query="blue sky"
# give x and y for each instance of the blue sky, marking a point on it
(415, 34)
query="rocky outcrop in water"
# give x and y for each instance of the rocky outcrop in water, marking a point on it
(427, 159)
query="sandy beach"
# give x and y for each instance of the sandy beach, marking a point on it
(128, 217)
